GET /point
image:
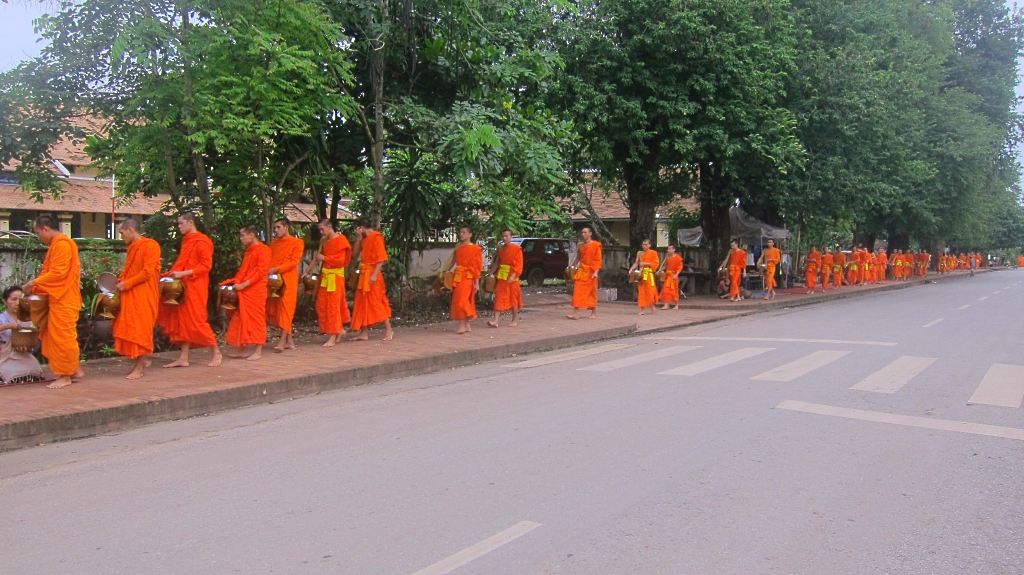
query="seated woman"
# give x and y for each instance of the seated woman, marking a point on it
(15, 365)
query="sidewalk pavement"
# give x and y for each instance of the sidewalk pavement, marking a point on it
(105, 401)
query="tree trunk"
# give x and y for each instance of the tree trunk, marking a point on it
(377, 147)
(642, 200)
(714, 213)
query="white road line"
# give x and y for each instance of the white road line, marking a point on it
(997, 291)
(449, 564)
(802, 366)
(983, 298)
(964, 306)
(628, 361)
(1003, 385)
(570, 356)
(892, 377)
(931, 323)
(717, 361)
(775, 339)
(909, 420)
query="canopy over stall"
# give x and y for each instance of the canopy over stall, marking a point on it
(749, 230)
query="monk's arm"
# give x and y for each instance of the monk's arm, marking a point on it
(336, 259)
(292, 261)
(60, 266)
(517, 266)
(150, 268)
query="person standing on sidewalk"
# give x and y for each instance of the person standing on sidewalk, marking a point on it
(139, 289)
(771, 257)
(249, 322)
(811, 265)
(736, 261)
(468, 265)
(60, 280)
(588, 265)
(285, 257)
(507, 268)
(331, 302)
(838, 267)
(371, 304)
(827, 261)
(670, 289)
(186, 324)
(647, 292)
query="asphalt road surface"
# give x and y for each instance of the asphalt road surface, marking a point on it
(881, 434)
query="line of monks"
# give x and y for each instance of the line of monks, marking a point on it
(187, 324)
(864, 267)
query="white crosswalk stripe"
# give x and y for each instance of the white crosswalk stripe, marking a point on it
(892, 377)
(547, 360)
(638, 359)
(1003, 385)
(932, 323)
(717, 361)
(802, 366)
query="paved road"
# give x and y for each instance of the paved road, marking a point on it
(723, 450)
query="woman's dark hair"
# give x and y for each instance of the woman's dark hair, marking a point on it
(10, 290)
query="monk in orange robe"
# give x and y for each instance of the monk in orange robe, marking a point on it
(371, 304)
(1020, 261)
(827, 261)
(897, 265)
(770, 257)
(838, 268)
(670, 289)
(186, 324)
(468, 265)
(507, 269)
(882, 265)
(331, 300)
(285, 256)
(60, 280)
(736, 262)
(139, 289)
(647, 262)
(811, 266)
(588, 265)
(249, 322)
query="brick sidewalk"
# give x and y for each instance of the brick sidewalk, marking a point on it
(105, 401)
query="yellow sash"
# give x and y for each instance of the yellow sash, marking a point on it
(503, 271)
(461, 273)
(329, 279)
(648, 276)
(837, 267)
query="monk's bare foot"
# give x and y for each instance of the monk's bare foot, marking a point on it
(676, 307)
(292, 345)
(389, 335)
(147, 363)
(461, 331)
(573, 316)
(593, 316)
(513, 324)
(255, 355)
(218, 358)
(664, 306)
(641, 312)
(178, 363)
(135, 374)
(78, 375)
(331, 341)
(62, 381)
(492, 324)
(279, 348)
(361, 336)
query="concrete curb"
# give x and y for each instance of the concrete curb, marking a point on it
(16, 434)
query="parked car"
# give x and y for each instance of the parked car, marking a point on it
(543, 258)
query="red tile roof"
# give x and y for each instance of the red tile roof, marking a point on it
(90, 196)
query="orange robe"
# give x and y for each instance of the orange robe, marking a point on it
(60, 279)
(811, 268)
(883, 264)
(584, 293)
(249, 322)
(737, 263)
(853, 275)
(670, 290)
(469, 263)
(140, 300)
(772, 258)
(647, 291)
(286, 255)
(838, 267)
(186, 323)
(827, 261)
(371, 304)
(1020, 261)
(508, 295)
(331, 299)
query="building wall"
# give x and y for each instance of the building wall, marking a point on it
(92, 226)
